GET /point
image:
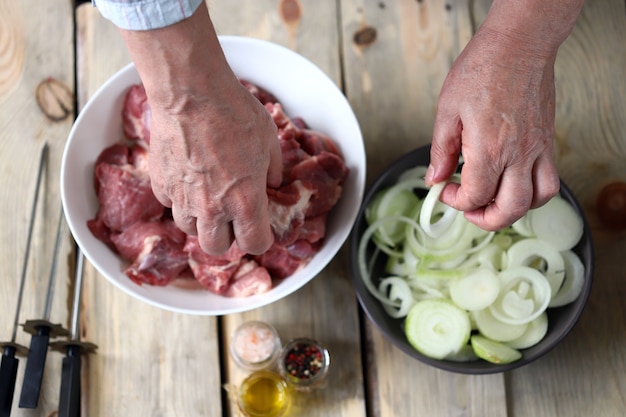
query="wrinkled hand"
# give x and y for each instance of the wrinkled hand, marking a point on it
(211, 159)
(496, 108)
(213, 147)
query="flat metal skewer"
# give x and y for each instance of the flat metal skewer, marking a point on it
(9, 365)
(42, 330)
(70, 397)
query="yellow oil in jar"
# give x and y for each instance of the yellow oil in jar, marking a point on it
(264, 394)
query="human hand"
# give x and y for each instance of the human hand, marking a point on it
(496, 108)
(211, 161)
(213, 147)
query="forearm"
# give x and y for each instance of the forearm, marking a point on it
(179, 59)
(533, 24)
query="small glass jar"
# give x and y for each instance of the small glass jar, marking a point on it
(304, 364)
(264, 394)
(255, 345)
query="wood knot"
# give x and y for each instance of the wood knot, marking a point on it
(55, 99)
(365, 36)
(611, 205)
(290, 11)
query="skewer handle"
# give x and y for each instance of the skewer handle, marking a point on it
(8, 375)
(35, 365)
(69, 402)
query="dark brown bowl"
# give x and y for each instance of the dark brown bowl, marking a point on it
(561, 320)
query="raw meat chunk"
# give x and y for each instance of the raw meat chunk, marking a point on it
(250, 279)
(213, 272)
(156, 249)
(137, 115)
(123, 189)
(283, 261)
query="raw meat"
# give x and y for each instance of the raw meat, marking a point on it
(250, 279)
(283, 261)
(213, 272)
(137, 227)
(156, 248)
(136, 115)
(123, 188)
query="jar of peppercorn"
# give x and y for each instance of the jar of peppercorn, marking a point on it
(304, 364)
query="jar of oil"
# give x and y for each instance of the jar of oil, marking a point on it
(264, 394)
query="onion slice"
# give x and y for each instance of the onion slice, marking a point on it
(516, 278)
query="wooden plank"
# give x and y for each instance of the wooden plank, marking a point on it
(585, 375)
(306, 26)
(35, 47)
(325, 309)
(393, 83)
(149, 361)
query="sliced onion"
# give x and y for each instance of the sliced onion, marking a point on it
(398, 290)
(534, 333)
(431, 201)
(573, 282)
(362, 263)
(557, 222)
(495, 329)
(539, 294)
(524, 252)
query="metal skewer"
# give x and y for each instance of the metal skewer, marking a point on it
(70, 398)
(42, 330)
(9, 365)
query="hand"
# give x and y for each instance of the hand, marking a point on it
(213, 147)
(211, 161)
(496, 108)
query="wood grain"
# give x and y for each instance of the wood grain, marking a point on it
(11, 47)
(308, 27)
(35, 45)
(393, 82)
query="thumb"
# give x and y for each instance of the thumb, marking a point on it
(444, 150)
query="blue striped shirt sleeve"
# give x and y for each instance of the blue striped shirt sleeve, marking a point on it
(145, 14)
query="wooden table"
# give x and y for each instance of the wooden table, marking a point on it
(390, 58)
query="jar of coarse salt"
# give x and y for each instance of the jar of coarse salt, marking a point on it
(255, 345)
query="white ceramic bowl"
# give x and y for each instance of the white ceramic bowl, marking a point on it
(302, 88)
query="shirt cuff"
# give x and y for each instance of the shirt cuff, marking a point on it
(146, 14)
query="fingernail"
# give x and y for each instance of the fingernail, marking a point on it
(430, 173)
